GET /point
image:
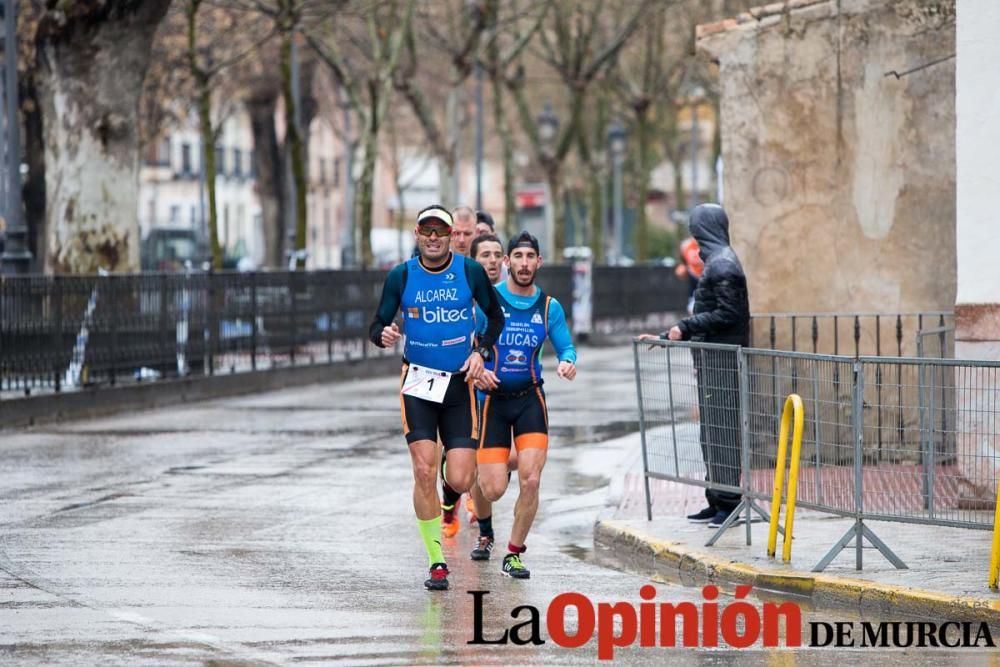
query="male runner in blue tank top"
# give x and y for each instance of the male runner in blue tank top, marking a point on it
(438, 292)
(516, 406)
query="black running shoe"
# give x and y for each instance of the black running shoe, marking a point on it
(720, 518)
(483, 549)
(513, 567)
(439, 578)
(703, 516)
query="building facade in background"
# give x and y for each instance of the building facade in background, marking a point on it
(171, 187)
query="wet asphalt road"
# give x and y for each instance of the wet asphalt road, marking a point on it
(278, 528)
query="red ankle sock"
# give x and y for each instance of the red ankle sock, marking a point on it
(515, 549)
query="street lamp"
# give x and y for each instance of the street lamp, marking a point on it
(548, 128)
(617, 141)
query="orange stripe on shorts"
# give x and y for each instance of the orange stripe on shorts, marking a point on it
(486, 411)
(492, 455)
(531, 441)
(402, 404)
(472, 408)
(545, 408)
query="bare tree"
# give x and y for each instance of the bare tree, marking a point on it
(505, 42)
(366, 73)
(653, 79)
(646, 77)
(452, 30)
(290, 19)
(404, 171)
(206, 59)
(579, 41)
(593, 159)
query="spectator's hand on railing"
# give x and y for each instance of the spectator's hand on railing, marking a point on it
(649, 336)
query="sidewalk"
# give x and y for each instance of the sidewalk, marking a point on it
(947, 567)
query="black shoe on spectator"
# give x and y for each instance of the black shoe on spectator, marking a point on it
(704, 516)
(720, 518)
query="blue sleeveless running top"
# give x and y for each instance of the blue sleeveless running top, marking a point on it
(438, 317)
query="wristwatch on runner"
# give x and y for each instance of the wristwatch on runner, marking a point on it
(484, 352)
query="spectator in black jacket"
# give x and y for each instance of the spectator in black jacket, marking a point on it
(721, 315)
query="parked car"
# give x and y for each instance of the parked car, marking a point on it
(170, 250)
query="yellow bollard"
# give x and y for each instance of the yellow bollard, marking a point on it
(995, 551)
(792, 409)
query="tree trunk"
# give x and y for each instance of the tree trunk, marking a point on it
(642, 178)
(596, 207)
(365, 192)
(680, 197)
(203, 94)
(507, 148)
(448, 190)
(668, 137)
(558, 219)
(92, 59)
(400, 220)
(208, 153)
(293, 140)
(261, 106)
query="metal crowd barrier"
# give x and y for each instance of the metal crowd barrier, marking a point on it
(885, 438)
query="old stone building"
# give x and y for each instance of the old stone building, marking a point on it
(838, 138)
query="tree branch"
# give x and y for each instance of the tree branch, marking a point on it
(613, 47)
(332, 59)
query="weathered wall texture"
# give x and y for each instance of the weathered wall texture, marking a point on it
(840, 179)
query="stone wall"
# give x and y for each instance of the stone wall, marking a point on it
(840, 175)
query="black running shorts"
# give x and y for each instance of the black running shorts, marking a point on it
(524, 415)
(454, 421)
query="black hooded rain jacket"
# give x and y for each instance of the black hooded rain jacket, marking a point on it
(721, 301)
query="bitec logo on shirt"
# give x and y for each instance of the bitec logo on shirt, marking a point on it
(438, 314)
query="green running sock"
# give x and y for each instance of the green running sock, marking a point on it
(430, 531)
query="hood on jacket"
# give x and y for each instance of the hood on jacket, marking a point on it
(709, 225)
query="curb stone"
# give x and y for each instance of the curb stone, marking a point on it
(693, 565)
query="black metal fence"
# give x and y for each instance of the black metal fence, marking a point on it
(70, 331)
(855, 334)
(59, 332)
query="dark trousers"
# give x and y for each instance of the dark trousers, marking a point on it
(719, 406)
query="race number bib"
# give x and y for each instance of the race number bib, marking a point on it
(426, 383)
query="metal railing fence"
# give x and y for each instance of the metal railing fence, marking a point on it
(890, 439)
(63, 331)
(624, 296)
(852, 334)
(58, 332)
